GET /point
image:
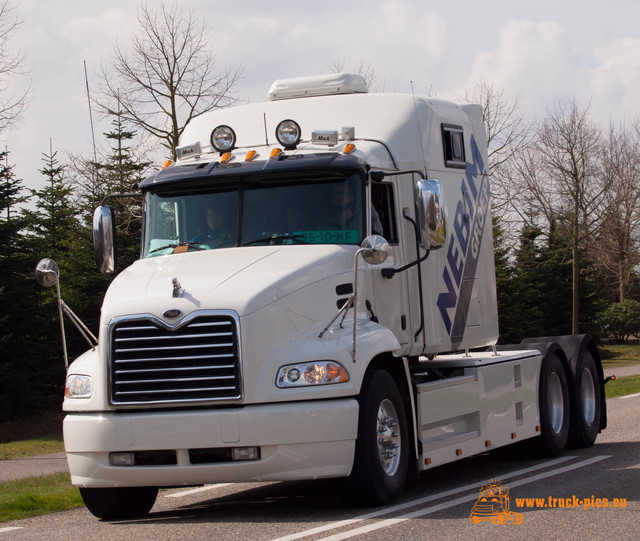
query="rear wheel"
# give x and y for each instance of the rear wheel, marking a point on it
(382, 450)
(554, 406)
(589, 402)
(119, 502)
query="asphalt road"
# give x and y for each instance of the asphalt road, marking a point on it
(437, 506)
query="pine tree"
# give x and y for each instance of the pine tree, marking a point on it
(119, 174)
(17, 298)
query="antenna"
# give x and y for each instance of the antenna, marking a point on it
(266, 135)
(93, 137)
(415, 107)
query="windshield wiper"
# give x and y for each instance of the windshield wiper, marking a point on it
(277, 239)
(176, 245)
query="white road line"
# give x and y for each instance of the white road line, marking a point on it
(457, 501)
(196, 490)
(630, 395)
(10, 529)
(427, 499)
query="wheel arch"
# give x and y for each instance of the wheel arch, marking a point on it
(398, 369)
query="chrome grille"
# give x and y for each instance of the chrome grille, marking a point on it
(196, 362)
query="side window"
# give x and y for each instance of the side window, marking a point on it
(453, 146)
(383, 203)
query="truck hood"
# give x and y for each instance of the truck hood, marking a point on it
(241, 279)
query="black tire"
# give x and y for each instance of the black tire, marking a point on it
(588, 408)
(119, 502)
(382, 449)
(555, 409)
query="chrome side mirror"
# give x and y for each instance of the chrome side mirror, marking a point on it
(104, 237)
(431, 213)
(375, 249)
(47, 272)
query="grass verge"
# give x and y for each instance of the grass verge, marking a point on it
(615, 355)
(622, 386)
(37, 496)
(36, 446)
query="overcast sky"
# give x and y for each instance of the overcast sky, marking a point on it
(543, 51)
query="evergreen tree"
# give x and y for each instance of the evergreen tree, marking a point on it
(509, 320)
(119, 174)
(17, 356)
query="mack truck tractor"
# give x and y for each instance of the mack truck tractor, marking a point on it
(315, 298)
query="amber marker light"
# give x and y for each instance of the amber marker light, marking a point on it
(251, 155)
(349, 148)
(225, 157)
(275, 152)
(167, 164)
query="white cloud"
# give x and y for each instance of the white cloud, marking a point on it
(534, 61)
(616, 79)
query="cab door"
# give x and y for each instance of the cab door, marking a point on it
(390, 305)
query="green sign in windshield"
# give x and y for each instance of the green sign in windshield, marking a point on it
(341, 236)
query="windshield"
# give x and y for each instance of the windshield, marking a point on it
(314, 209)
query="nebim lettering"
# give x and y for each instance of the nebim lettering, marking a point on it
(462, 236)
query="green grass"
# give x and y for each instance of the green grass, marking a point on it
(615, 355)
(37, 496)
(37, 446)
(623, 386)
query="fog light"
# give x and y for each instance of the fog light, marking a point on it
(122, 459)
(245, 453)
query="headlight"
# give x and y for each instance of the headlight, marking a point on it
(78, 386)
(288, 134)
(312, 373)
(223, 139)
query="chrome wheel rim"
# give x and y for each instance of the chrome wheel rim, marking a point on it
(388, 437)
(588, 394)
(556, 403)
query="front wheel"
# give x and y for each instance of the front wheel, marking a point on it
(119, 502)
(382, 450)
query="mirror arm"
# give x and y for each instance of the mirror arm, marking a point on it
(390, 272)
(82, 328)
(109, 197)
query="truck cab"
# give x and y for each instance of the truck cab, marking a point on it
(315, 297)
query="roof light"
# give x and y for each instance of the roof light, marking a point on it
(275, 152)
(166, 164)
(251, 155)
(223, 139)
(288, 134)
(226, 157)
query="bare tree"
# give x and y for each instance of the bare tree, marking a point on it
(559, 176)
(12, 66)
(617, 247)
(507, 136)
(365, 69)
(168, 77)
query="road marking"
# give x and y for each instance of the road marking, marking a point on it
(10, 529)
(630, 395)
(457, 501)
(196, 490)
(427, 499)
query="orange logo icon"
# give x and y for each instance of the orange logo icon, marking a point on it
(493, 505)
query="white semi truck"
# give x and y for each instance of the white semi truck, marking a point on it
(315, 297)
